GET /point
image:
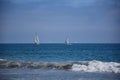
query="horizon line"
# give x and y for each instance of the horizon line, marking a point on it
(60, 43)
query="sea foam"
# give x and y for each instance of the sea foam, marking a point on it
(85, 66)
(97, 66)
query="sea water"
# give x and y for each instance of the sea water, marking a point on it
(61, 52)
(81, 61)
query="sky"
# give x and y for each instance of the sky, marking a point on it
(82, 21)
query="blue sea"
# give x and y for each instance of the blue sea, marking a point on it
(61, 52)
(60, 62)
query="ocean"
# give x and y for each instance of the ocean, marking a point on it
(60, 62)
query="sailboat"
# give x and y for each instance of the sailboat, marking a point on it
(67, 42)
(37, 41)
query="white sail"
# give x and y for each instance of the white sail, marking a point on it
(67, 41)
(37, 41)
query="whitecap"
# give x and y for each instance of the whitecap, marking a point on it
(97, 66)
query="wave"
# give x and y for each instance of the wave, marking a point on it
(97, 66)
(85, 66)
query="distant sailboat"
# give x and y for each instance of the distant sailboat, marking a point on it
(37, 41)
(67, 42)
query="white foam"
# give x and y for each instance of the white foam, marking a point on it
(91, 66)
(97, 66)
(2, 60)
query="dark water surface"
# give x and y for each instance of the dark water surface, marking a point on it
(61, 52)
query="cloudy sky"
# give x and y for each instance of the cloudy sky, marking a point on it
(82, 21)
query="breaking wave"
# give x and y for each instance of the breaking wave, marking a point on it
(97, 66)
(85, 66)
